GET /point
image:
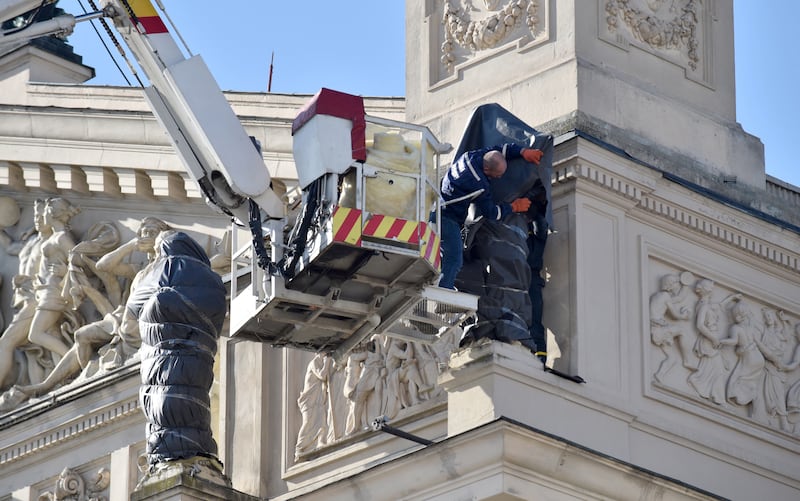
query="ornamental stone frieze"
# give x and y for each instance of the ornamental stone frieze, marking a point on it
(68, 323)
(725, 349)
(382, 377)
(675, 30)
(472, 31)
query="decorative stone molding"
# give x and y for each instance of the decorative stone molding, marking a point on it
(645, 198)
(70, 431)
(674, 31)
(469, 33)
(71, 485)
(88, 179)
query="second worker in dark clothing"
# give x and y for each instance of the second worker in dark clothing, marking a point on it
(466, 182)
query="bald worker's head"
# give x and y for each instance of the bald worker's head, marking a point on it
(494, 164)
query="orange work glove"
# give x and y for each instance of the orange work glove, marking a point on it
(531, 155)
(521, 204)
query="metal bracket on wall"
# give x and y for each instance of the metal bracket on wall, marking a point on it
(379, 424)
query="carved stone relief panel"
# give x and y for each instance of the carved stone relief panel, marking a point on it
(383, 376)
(731, 351)
(67, 320)
(469, 31)
(677, 31)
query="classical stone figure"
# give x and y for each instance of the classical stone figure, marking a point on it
(710, 378)
(773, 346)
(51, 302)
(666, 309)
(403, 379)
(367, 374)
(746, 380)
(102, 237)
(24, 301)
(338, 403)
(125, 342)
(383, 376)
(314, 402)
(793, 395)
(117, 332)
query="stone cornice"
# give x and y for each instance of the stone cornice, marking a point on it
(22, 435)
(656, 195)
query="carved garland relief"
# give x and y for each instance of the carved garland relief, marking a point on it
(671, 29)
(470, 32)
(731, 351)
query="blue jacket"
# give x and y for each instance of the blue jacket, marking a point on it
(465, 183)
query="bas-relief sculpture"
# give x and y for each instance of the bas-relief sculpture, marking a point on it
(469, 27)
(70, 322)
(737, 353)
(670, 29)
(382, 376)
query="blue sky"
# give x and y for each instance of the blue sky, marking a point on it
(358, 46)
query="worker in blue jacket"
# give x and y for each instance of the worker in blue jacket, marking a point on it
(466, 182)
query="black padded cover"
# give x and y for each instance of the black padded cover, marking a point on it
(180, 303)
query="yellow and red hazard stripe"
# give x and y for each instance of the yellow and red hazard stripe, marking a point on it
(347, 225)
(346, 228)
(430, 246)
(148, 18)
(392, 228)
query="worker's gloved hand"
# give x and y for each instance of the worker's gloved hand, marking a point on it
(521, 205)
(531, 155)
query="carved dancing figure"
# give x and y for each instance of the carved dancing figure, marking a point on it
(51, 302)
(710, 378)
(773, 346)
(16, 334)
(665, 309)
(746, 380)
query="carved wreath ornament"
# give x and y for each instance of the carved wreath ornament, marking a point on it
(659, 26)
(486, 33)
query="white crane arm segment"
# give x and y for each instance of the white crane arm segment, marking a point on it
(200, 121)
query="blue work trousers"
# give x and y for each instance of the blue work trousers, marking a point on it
(452, 252)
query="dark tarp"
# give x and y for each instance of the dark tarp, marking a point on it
(502, 259)
(180, 304)
(491, 125)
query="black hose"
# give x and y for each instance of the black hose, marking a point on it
(298, 243)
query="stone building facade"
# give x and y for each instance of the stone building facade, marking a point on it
(672, 282)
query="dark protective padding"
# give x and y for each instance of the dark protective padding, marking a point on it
(180, 304)
(493, 125)
(496, 270)
(498, 265)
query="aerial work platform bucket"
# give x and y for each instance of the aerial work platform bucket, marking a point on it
(370, 256)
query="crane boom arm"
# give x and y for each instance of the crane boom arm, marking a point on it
(186, 99)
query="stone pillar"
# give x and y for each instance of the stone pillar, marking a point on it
(655, 78)
(490, 380)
